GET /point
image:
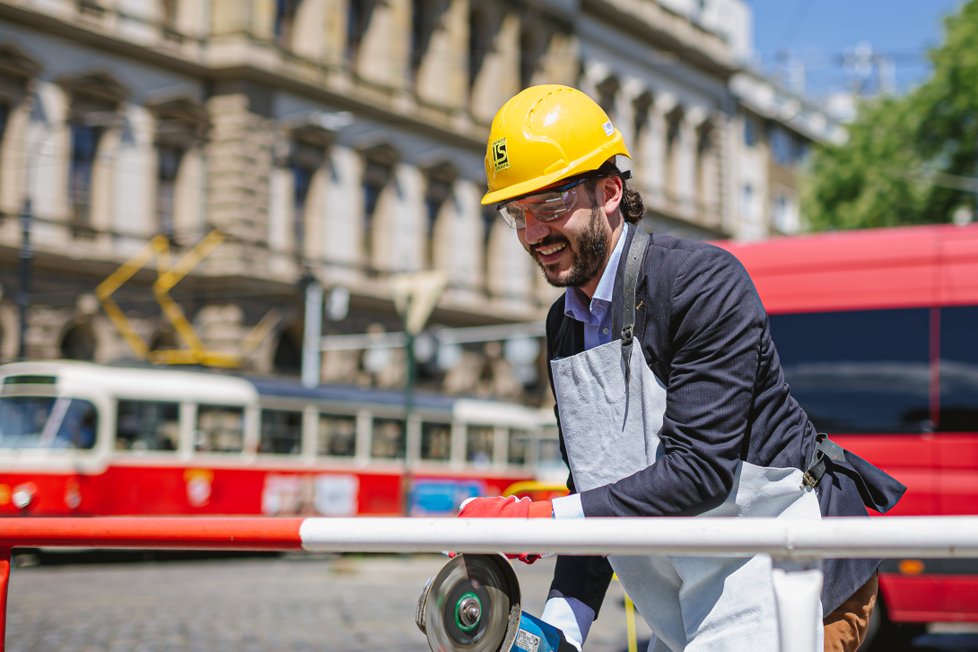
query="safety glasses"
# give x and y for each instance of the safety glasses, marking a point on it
(546, 206)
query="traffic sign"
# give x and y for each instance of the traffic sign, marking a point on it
(415, 296)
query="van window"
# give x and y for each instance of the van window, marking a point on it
(858, 371)
(958, 408)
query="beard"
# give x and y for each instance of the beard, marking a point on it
(590, 252)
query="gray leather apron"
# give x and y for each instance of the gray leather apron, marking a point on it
(611, 407)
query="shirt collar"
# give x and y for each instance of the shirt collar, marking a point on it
(575, 305)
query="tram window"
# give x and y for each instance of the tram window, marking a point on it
(436, 441)
(959, 370)
(22, 420)
(220, 429)
(519, 441)
(549, 453)
(478, 444)
(147, 426)
(388, 441)
(859, 371)
(46, 422)
(281, 432)
(337, 435)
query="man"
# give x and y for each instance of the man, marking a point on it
(670, 395)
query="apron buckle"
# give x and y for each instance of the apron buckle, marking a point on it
(627, 334)
(824, 448)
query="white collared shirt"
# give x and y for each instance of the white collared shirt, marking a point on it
(596, 316)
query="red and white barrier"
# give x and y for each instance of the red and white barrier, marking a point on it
(795, 546)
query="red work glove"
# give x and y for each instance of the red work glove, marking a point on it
(508, 507)
(505, 507)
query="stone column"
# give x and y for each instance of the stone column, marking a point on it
(708, 172)
(239, 164)
(686, 160)
(230, 16)
(441, 75)
(333, 32)
(309, 30)
(559, 65)
(658, 173)
(385, 47)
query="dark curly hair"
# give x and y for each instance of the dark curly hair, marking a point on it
(632, 206)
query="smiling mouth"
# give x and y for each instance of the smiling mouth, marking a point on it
(549, 250)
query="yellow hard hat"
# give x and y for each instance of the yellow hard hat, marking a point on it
(544, 134)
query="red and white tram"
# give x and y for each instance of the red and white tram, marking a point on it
(79, 438)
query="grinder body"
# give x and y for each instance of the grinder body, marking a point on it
(473, 605)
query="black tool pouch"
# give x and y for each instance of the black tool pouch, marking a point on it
(879, 490)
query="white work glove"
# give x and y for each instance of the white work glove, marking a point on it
(571, 616)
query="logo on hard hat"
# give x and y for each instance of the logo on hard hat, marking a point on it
(500, 158)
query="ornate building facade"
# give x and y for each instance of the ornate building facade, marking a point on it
(340, 142)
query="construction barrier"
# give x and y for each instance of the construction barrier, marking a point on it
(795, 546)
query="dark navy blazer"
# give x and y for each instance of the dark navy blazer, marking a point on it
(705, 335)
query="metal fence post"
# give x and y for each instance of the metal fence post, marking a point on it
(4, 584)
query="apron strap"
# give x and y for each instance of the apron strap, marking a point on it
(636, 252)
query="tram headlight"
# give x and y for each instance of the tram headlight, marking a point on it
(23, 496)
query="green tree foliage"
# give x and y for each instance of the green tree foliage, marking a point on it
(909, 159)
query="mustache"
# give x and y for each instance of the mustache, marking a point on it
(549, 241)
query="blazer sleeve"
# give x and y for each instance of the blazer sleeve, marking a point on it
(585, 578)
(715, 324)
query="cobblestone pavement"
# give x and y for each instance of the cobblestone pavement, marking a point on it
(300, 602)
(270, 604)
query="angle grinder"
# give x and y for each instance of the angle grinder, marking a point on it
(473, 605)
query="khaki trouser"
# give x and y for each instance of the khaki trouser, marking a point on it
(845, 628)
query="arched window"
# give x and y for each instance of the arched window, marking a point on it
(181, 126)
(424, 18)
(357, 19)
(672, 156)
(285, 11)
(490, 218)
(96, 100)
(480, 40)
(608, 96)
(533, 44)
(440, 181)
(78, 343)
(163, 340)
(288, 354)
(378, 171)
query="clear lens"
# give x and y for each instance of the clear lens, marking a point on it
(512, 215)
(545, 206)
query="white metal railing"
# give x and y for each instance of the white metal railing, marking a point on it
(795, 546)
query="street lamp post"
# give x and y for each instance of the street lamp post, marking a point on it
(313, 330)
(24, 278)
(407, 482)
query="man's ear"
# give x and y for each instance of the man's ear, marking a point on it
(610, 191)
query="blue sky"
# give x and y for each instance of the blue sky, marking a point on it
(819, 33)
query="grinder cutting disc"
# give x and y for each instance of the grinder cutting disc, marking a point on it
(472, 605)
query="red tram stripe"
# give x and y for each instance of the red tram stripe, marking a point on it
(189, 533)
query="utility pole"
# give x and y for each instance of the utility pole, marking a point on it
(24, 278)
(313, 333)
(415, 296)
